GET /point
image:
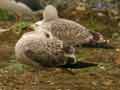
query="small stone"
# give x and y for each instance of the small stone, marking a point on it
(50, 82)
(108, 41)
(108, 82)
(118, 24)
(101, 67)
(115, 12)
(11, 84)
(6, 71)
(74, 12)
(59, 89)
(117, 50)
(34, 83)
(67, 89)
(94, 83)
(114, 35)
(79, 8)
(100, 14)
(1, 75)
(104, 40)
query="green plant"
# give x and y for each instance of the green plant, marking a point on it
(4, 15)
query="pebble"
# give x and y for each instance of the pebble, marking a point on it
(68, 89)
(118, 24)
(117, 50)
(108, 82)
(101, 67)
(5, 71)
(94, 83)
(74, 12)
(108, 41)
(100, 14)
(59, 89)
(80, 8)
(51, 83)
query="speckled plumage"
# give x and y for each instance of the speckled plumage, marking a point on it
(68, 31)
(40, 48)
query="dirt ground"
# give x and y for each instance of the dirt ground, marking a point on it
(106, 76)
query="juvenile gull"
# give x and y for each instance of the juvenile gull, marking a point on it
(68, 31)
(43, 49)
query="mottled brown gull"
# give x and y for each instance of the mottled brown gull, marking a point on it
(42, 49)
(70, 32)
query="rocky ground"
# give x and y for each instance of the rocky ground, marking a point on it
(15, 76)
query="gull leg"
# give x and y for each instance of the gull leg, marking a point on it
(18, 18)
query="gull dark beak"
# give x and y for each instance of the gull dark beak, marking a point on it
(78, 65)
(72, 62)
(98, 41)
(104, 45)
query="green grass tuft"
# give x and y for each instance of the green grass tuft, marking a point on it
(4, 15)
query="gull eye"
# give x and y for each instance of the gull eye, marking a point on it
(47, 35)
